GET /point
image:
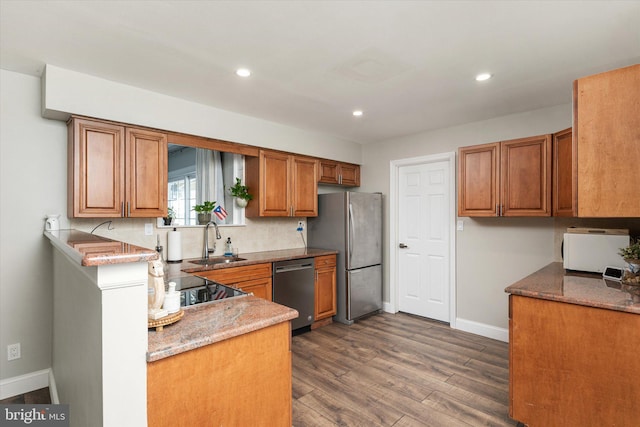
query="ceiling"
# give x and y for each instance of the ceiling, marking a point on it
(409, 65)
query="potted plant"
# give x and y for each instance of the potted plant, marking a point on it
(204, 211)
(241, 193)
(631, 255)
(171, 214)
(632, 252)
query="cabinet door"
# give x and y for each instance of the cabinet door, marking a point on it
(325, 287)
(525, 172)
(261, 288)
(349, 175)
(146, 173)
(304, 186)
(273, 177)
(231, 275)
(607, 143)
(562, 176)
(328, 172)
(96, 176)
(346, 174)
(478, 180)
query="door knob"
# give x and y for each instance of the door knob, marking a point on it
(403, 246)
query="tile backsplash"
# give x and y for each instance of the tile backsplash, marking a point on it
(260, 234)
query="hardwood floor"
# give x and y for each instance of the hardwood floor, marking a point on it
(399, 370)
(391, 370)
(33, 397)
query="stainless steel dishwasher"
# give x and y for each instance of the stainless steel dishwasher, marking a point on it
(293, 286)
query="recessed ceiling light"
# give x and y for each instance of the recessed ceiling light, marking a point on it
(357, 113)
(243, 72)
(482, 77)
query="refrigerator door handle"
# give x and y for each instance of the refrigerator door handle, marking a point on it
(352, 232)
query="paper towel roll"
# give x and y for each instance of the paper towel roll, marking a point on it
(174, 251)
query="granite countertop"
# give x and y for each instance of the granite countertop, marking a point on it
(186, 268)
(553, 283)
(202, 324)
(216, 321)
(90, 250)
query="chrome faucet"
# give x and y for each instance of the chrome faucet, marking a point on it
(205, 249)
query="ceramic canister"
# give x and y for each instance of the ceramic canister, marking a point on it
(52, 223)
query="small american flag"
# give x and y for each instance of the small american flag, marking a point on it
(220, 213)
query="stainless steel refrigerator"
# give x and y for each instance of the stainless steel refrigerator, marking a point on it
(351, 223)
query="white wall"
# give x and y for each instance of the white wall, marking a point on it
(32, 183)
(491, 252)
(68, 91)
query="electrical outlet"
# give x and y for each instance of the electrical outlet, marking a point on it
(13, 351)
(148, 229)
(300, 226)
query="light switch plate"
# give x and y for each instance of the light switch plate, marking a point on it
(460, 225)
(148, 229)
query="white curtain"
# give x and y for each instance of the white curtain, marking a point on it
(210, 184)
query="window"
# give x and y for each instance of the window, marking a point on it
(197, 175)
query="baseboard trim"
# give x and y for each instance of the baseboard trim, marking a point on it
(489, 331)
(24, 383)
(53, 389)
(387, 307)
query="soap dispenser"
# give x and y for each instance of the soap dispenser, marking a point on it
(228, 248)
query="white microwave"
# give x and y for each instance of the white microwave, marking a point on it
(593, 249)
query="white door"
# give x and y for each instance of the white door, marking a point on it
(423, 240)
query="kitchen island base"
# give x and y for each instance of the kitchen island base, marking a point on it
(572, 364)
(245, 380)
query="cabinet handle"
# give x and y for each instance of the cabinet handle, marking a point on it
(128, 209)
(122, 209)
(497, 210)
(339, 179)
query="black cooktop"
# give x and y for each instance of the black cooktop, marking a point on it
(197, 290)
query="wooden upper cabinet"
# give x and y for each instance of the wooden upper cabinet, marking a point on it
(286, 184)
(146, 173)
(96, 169)
(337, 173)
(115, 171)
(562, 174)
(606, 142)
(525, 176)
(304, 186)
(478, 180)
(509, 178)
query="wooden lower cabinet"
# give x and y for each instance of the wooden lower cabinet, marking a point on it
(572, 365)
(325, 287)
(242, 381)
(254, 279)
(262, 288)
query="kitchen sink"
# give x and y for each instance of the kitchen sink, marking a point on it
(217, 260)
